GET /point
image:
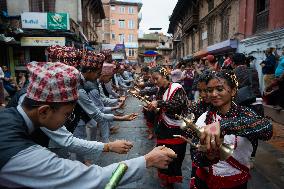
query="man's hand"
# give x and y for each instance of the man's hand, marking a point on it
(268, 92)
(120, 105)
(134, 92)
(122, 99)
(160, 157)
(140, 84)
(129, 117)
(210, 136)
(120, 146)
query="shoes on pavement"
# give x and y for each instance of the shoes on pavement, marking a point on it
(251, 162)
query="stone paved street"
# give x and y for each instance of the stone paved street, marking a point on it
(269, 160)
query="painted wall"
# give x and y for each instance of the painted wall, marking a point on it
(16, 7)
(276, 15)
(69, 6)
(247, 16)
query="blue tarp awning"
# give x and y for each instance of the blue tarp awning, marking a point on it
(223, 46)
(150, 53)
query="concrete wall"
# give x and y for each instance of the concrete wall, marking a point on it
(69, 6)
(234, 18)
(16, 7)
(203, 9)
(116, 15)
(276, 15)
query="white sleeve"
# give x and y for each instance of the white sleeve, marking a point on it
(66, 140)
(36, 167)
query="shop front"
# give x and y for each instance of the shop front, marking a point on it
(200, 54)
(225, 47)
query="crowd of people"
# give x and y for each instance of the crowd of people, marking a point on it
(78, 91)
(227, 105)
(10, 85)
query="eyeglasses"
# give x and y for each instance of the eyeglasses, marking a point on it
(71, 117)
(68, 118)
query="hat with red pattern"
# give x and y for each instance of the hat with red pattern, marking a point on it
(67, 55)
(52, 82)
(107, 69)
(108, 55)
(93, 60)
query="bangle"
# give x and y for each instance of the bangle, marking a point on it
(106, 147)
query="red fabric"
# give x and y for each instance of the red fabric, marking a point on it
(170, 179)
(52, 82)
(149, 125)
(218, 182)
(192, 183)
(170, 141)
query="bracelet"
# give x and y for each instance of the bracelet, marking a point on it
(106, 147)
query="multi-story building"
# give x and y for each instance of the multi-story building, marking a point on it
(219, 27)
(121, 25)
(36, 24)
(204, 26)
(158, 42)
(261, 26)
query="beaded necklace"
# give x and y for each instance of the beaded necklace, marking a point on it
(213, 112)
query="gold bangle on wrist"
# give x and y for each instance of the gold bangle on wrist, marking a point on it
(106, 147)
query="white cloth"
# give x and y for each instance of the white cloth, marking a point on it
(1, 73)
(242, 152)
(166, 97)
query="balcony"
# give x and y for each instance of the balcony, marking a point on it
(189, 22)
(261, 23)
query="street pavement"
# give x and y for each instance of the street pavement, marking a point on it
(268, 172)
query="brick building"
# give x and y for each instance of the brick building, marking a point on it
(121, 25)
(158, 42)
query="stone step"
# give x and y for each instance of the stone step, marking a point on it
(274, 113)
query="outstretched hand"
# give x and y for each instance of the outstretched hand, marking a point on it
(160, 157)
(130, 117)
(120, 146)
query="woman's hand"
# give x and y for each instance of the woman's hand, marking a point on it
(210, 136)
(153, 105)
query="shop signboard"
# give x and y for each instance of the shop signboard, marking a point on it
(132, 45)
(50, 21)
(58, 21)
(117, 56)
(34, 20)
(42, 41)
